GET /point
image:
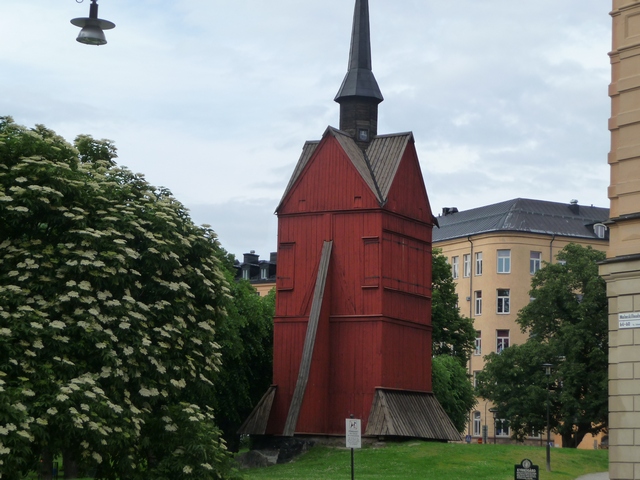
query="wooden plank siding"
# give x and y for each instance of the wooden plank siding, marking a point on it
(374, 330)
(309, 342)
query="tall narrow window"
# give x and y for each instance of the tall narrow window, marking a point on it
(466, 265)
(535, 262)
(503, 301)
(478, 350)
(502, 340)
(475, 378)
(478, 263)
(478, 301)
(455, 267)
(504, 261)
(477, 424)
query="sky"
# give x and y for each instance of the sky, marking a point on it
(215, 99)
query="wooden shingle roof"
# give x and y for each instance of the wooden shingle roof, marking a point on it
(377, 165)
(401, 413)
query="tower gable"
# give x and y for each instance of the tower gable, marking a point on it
(331, 176)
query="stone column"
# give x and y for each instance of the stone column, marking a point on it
(621, 270)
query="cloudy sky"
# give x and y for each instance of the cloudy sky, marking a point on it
(214, 99)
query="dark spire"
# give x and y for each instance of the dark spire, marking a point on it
(359, 94)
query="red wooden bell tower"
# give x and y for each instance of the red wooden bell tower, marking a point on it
(352, 331)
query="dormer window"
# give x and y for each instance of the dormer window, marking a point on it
(363, 135)
(599, 229)
(245, 272)
(264, 273)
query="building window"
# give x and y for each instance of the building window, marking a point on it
(455, 267)
(502, 427)
(502, 340)
(264, 273)
(466, 265)
(600, 230)
(503, 301)
(504, 261)
(475, 378)
(535, 262)
(245, 273)
(478, 301)
(477, 424)
(479, 263)
(478, 350)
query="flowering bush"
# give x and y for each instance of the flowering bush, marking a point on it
(109, 298)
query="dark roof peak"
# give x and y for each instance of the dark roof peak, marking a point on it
(359, 81)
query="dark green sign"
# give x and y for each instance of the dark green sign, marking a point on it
(526, 471)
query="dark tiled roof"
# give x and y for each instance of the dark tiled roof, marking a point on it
(377, 166)
(522, 215)
(360, 81)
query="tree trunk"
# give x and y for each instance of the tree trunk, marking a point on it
(71, 469)
(46, 465)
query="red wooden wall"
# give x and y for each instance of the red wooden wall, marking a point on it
(374, 329)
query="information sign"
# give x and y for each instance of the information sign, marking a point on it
(354, 435)
(629, 320)
(526, 471)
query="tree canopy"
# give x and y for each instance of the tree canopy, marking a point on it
(567, 323)
(109, 301)
(452, 388)
(453, 341)
(453, 334)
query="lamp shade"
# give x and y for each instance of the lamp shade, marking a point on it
(92, 32)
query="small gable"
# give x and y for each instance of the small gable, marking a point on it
(330, 175)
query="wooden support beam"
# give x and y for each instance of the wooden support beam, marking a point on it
(309, 342)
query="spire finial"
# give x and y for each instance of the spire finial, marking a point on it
(359, 80)
(359, 94)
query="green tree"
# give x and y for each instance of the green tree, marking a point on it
(246, 339)
(109, 300)
(453, 341)
(567, 323)
(452, 388)
(453, 334)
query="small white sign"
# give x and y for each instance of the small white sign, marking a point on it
(354, 435)
(629, 320)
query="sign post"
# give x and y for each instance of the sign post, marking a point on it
(526, 471)
(353, 437)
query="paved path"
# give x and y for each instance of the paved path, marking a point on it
(595, 476)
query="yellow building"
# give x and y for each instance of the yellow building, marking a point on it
(260, 273)
(622, 267)
(493, 252)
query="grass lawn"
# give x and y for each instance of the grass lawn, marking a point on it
(437, 461)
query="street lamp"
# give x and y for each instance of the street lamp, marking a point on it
(92, 27)
(547, 370)
(494, 411)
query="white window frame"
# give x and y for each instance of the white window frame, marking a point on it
(466, 265)
(478, 344)
(477, 424)
(475, 378)
(504, 261)
(503, 305)
(455, 267)
(245, 274)
(478, 264)
(477, 300)
(502, 340)
(535, 262)
(503, 431)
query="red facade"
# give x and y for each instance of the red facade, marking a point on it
(374, 325)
